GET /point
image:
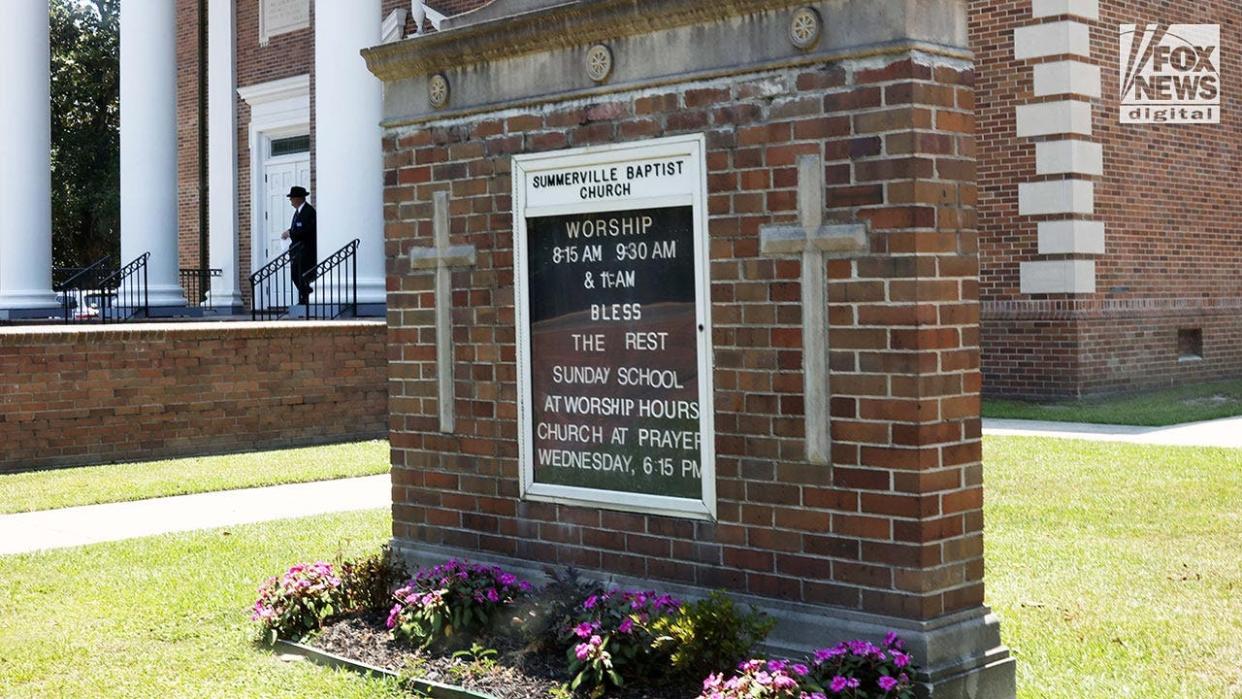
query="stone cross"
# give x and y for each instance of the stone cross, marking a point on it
(815, 241)
(441, 258)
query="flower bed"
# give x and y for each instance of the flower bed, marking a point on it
(483, 629)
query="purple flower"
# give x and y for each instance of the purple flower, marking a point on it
(887, 683)
(823, 655)
(582, 650)
(838, 684)
(393, 614)
(626, 626)
(590, 602)
(900, 659)
(799, 669)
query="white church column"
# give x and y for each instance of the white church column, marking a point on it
(349, 165)
(25, 154)
(149, 145)
(222, 155)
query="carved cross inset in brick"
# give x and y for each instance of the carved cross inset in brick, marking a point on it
(815, 241)
(441, 258)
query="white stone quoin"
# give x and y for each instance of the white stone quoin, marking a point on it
(149, 145)
(1058, 277)
(1074, 237)
(1056, 197)
(25, 156)
(222, 155)
(1052, 39)
(1069, 157)
(1089, 9)
(1067, 78)
(1054, 118)
(349, 164)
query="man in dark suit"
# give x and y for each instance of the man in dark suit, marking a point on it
(303, 255)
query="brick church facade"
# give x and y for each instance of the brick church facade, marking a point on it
(1108, 251)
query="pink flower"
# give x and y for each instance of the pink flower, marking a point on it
(887, 683)
(784, 682)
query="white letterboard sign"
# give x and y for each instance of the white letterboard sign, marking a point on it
(614, 327)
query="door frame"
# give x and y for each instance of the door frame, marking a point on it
(278, 109)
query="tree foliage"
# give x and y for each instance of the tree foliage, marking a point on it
(85, 38)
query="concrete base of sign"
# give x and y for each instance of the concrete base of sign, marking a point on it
(960, 655)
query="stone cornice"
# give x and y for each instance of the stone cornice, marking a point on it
(561, 26)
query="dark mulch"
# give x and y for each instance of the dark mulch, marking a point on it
(518, 673)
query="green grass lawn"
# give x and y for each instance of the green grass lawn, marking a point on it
(166, 616)
(1116, 569)
(42, 490)
(1190, 403)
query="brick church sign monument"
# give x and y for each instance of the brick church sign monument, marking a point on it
(686, 293)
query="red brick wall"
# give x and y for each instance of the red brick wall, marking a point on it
(1167, 202)
(86, 395)
(895, 526)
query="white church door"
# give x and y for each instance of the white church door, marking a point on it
(281, 171)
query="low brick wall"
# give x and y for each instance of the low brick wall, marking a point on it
(89, 395)
(1042, 350)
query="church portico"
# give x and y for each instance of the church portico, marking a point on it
(200, 124)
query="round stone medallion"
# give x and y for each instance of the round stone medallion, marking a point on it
(438, 90)
(805, 28)
(599, 63)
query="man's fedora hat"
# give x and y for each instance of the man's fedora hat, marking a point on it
(297, 191)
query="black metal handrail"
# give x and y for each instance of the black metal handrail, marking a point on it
(272, 293)
(105, 293)
(68, 277)
(80, 286)
(129, 295)
(197, 283)
(336, 285)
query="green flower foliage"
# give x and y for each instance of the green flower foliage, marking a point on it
(712, 634)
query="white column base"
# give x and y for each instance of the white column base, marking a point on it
(165, 296)
(372, 290)
(224, 300)
(27, 300)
